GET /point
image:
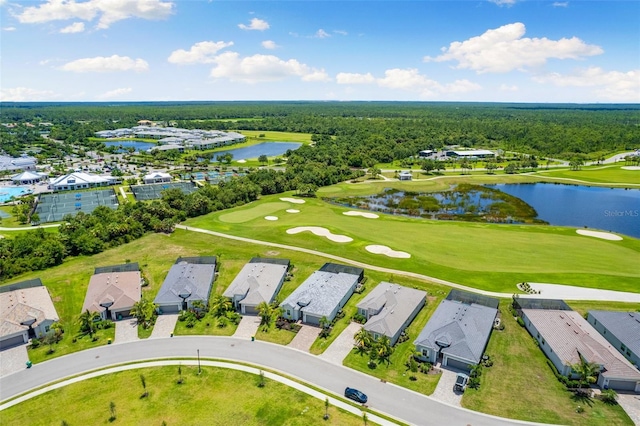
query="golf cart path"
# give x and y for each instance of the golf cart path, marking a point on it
(577, 293)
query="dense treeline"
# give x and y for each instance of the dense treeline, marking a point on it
(104, 228)
(375, 131)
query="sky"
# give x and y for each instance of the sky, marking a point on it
(198, 50)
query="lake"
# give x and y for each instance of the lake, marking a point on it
(607, 209)
(139, 146)
(270, 149)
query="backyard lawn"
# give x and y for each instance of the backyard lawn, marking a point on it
(217, 396)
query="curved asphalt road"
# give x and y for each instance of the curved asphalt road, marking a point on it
(395, 401)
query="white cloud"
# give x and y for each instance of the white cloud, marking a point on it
(503, 2)
(560, 4)
(354, 78)
(256, 25)
(505, 49)
(24, 94)
(321, 34)
(76, 27)
(106, 64)
(411, 80)
(269, 44)
(507, 88)
(613, 86)
(115, 93)
(341, 32)
(107, 11)
(260, 68)
(9, 29)
(200, 53)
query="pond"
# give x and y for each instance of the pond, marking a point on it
(463, 202)
(270, 149)
(138, 146)
(607, 209)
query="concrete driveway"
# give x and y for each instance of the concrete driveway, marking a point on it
(248, 327)
(165, 324)
(305, 338)
(340, 348)
(126, 330)
(444, 390)
(630, 402)
(13, 360)
(404, 404)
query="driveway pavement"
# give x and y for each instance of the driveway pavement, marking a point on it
(248, 327)
(305, 338)
(400, 403)
(631, 404)
(444, 390)
(340, 348)
(13, 359)
(165, 324)
(126, 330)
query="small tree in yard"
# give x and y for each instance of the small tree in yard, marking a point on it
(143, 381)
(261, 381)
(326, 409)
(586, 371)
(144, 311)
(180, 379)
(325, 324)
(263, 159)
(88, 321)
(112, 410)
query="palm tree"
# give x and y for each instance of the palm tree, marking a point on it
(87, 322)
(363, 340)
(220, 305)
(265, 311)
(144, 311)
(587, 372)
(384, 349)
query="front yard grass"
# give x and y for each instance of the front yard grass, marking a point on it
(275, 335)
(520, 385)
(217, 396)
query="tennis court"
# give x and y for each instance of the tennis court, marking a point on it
(53, 207)
(154, 191)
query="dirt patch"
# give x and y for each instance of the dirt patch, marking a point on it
(272, 253)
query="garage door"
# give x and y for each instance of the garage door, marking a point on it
(172, 309)
(13, 341)
(250, 310)
(454, 363)
(310, 319)
(622, 385)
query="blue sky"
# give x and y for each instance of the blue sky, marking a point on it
(156, 50)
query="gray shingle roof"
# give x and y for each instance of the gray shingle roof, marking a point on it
(397, 304)
(571, 336)
(319, 294)
(465, 328)
(624, 325)
(257, 282)
(189, 278)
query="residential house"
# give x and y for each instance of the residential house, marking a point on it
(26, 311)
(188, 280)
(621, 329)
(113, 290)
(458, 331)
(390, 308)
(567, 339)
(323, 294)
(258, 281)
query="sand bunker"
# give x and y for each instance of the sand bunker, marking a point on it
(568, 292)
(363, 214)
(321, 232)
(241, 161)
(293, 211)
(293, 200)
(630, 168)
(603, 235)
(271, 217)
(376, 249)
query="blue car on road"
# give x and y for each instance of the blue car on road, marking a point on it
(356, 395)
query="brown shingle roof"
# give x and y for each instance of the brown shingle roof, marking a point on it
(121, 288)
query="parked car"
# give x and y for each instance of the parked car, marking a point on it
(356, 395)
(461, 382)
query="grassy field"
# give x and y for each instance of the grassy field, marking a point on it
(486, 256)
(521, 385)
(613, 174)
(217, 396)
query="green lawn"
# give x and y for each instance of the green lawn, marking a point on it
(521, 385)
(613, 174)
(217, 396)
(486, 256)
